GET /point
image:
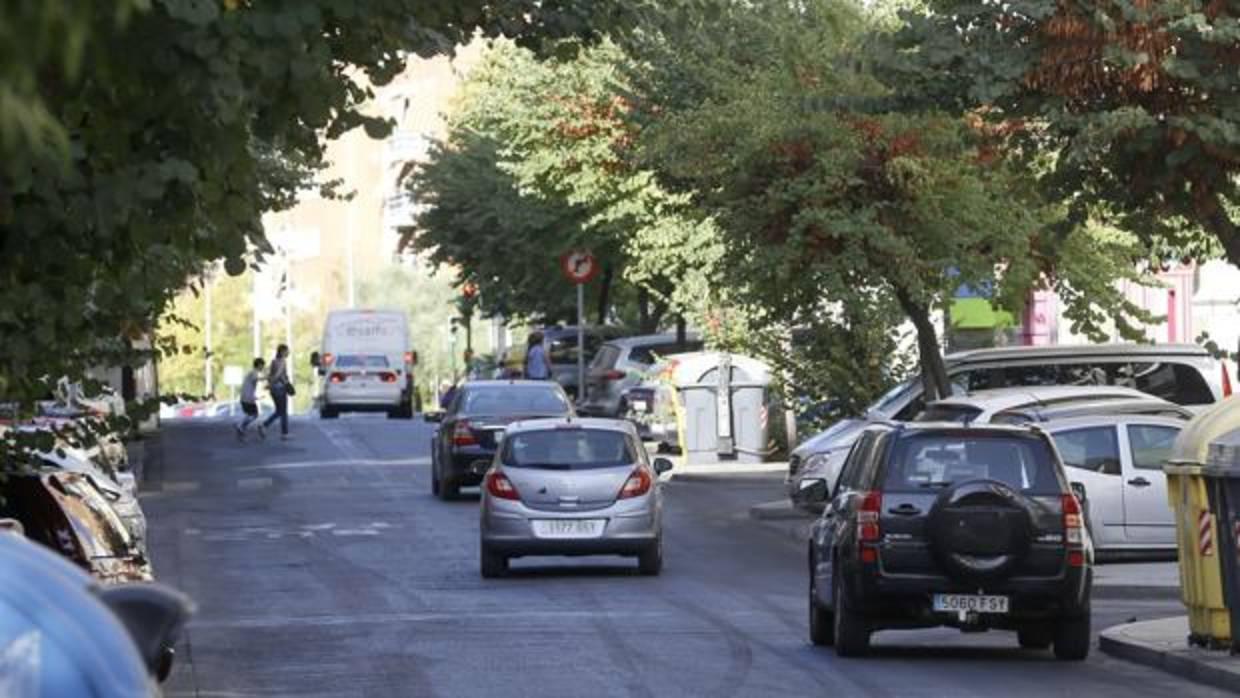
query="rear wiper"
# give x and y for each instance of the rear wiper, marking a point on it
(928, 485)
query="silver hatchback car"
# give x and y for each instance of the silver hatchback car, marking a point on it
(570, 486)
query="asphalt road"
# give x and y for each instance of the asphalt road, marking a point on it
(322, 566)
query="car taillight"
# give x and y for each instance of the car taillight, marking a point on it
(868, 530)
(387, 377)
(500, 486)
(614, 375)
(337, 377)
(639, 483)
(462, 435)
(1226, 380)
(1073, 530)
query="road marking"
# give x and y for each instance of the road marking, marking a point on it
(251, 483)
(299, 465)
(465, 615)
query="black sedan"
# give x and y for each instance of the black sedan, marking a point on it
(474, 422)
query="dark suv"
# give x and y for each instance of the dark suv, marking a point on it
(974, 527)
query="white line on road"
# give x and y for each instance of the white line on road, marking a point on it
(254, 482)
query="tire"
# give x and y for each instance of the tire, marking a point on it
(434, 479)
(1073, 638)
(852, 635)
(821, 621)
(650, 561)
(328, 412)
(491, 564)
(449, 490)
(1035, 638)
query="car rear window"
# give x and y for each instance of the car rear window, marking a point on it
(606, 356)
(649, 353)
(568, 449)
(931, 461)
(361, 361)
(511, 400)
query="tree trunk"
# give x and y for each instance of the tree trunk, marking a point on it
(933, 369)
(604, 294)
(1214, 217)
(681, 332)
(643, 311)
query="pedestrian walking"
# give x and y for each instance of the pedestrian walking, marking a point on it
(280, 387)
(249, 399)
(537, 365)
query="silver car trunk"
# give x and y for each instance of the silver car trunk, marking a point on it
(564, 490)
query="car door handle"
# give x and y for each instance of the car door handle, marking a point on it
(904, 510)
(1139, 482)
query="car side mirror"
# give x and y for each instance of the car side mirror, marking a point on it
(812, 491)
(432, 417)
(315, 360)
(662, 465)
(12, 526)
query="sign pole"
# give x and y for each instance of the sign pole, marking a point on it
(581, 341)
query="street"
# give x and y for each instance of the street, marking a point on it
(323, 567)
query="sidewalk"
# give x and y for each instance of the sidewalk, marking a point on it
(725, 471)
(1163, 644)
(1114, 580)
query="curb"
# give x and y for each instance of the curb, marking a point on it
(731, 477)
(1115, 642)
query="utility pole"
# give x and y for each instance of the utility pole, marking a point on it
(207, 322)
(258, 328)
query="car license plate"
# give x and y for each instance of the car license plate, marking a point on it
(639, 406)
(568, 528)
(956, 603)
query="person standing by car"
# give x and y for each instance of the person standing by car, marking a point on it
(249, 399)
(537, 365)
(281, 388)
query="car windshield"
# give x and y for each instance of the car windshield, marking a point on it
(514, 400)
(1024, 463)
(361, 361)
(568, 449)
(890, 400)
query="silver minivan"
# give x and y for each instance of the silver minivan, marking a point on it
(1185, 374)
(620, 365)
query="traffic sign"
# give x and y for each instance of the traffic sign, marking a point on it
(579, 266)
(233, 376)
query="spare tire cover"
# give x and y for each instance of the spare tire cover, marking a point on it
(980, 530)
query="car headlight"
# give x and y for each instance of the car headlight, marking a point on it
(820, 464)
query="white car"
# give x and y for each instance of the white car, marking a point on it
(366, 364)
(1119, 460)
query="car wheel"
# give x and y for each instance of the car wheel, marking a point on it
(852, 636)
(491, 564)
(328, 412)
(448, 490)
(821, 622)
(434, 479)
(1035, 638)
(650, 561)
(1072, 639)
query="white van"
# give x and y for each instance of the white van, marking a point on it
(366, 363)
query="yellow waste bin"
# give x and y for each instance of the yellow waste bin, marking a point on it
(1196, 523)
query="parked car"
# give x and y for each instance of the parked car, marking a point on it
(621, 363)
(65, 512)
(103, 641)
(87, 641)
(1118, 459)
(572, 487)
(123, 500)
(470, 428)
(1032, 404)
(1184, 374)
(973, 527)
(561, 345)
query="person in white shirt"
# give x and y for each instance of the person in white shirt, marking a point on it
(249, 398)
